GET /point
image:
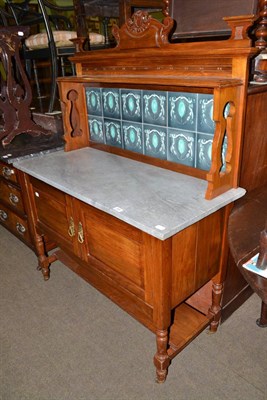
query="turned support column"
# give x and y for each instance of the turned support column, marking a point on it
(161, 261)
(166, 8)
(261, 30)
(43, 260)
(161, 358)
(260, 73)
(215, 309)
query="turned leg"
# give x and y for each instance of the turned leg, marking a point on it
(161, 358)
(262, 321)
(43, 260)
(215, 309)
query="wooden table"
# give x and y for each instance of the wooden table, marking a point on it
(144, 236)
(246, 222)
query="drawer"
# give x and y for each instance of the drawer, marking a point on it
(16, 224)
(11, 196)
(8, 172)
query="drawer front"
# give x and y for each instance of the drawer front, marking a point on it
(8, 172)
(52, 212)
(115, 244)
(11, 195)
(16, 224)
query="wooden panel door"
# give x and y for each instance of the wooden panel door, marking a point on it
(113, 247)
(54, 215)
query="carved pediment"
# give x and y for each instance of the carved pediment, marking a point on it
(143, 31)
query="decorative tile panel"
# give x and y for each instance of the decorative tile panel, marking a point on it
(96, 129)
(132, 136)
(224, 149)
(205, 113)
(111, 103)
(204, 151)
(131, 105)
(182, 111)
(113, 132)
(226, 110)
(154, 107)
(155, 141)
(175, 126)
(181, 147)
(93, 99)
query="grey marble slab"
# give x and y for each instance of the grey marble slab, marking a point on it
(10, 159)
(155, 200)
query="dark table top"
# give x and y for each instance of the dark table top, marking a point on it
(246, 222)
(25, 144)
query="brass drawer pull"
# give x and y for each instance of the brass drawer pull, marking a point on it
(20, 228)
(71, 230)
(3, 215)
(13, 199)
(80, 233)
(7, 172)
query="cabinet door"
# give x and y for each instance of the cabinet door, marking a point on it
(54, 214)
(114, 247)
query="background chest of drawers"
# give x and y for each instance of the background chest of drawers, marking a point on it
(13, 210)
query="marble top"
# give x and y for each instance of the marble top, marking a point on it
(155, 200)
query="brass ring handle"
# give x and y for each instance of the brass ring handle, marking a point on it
(13, 199)
(20, 228)
(71, 230)
(80, 233)
(3, 215)
(7, 172)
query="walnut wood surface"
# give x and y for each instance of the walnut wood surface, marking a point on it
(147, 277)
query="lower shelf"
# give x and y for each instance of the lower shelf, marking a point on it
(188, 323)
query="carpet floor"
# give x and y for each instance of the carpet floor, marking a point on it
(63, 340)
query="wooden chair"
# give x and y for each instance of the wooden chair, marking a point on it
(4, 17)
(53, 44)
(16, 95)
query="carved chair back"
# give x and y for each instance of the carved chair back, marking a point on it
(52, 45)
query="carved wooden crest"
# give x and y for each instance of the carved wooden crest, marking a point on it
(143, 31)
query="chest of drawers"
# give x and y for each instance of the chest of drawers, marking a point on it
(13, 210)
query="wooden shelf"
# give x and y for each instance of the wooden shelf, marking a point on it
(188, 323)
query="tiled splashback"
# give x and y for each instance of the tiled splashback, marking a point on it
(174, 126)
